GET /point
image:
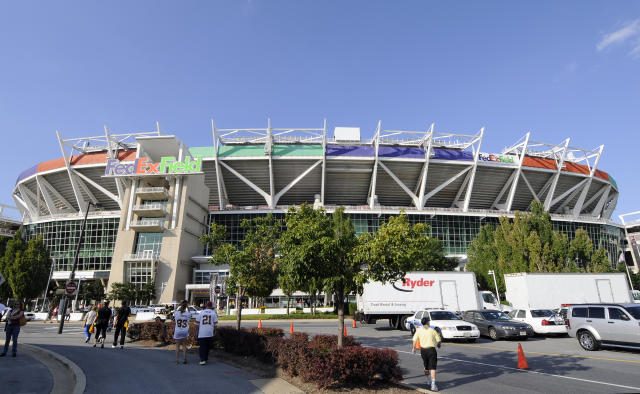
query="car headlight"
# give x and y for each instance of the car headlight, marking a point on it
(529, 327)
(509, 327)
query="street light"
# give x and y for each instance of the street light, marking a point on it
(63, 312)
(492, 273)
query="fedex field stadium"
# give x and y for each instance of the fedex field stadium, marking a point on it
(150, 197)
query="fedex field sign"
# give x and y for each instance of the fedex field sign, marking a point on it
(142, 166)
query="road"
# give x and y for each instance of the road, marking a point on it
(557, 365)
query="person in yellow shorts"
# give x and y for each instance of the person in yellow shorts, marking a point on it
(426, 339)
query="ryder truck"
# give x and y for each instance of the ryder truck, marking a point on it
(453, 291)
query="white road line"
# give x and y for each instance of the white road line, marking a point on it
(535, 372)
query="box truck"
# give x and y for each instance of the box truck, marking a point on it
(551, 290)
(453, 291)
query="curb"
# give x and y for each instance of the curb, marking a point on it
(78, 376)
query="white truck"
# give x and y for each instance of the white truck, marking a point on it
(551, 290)
(454, 291)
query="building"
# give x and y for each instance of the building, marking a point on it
(157, 196)
(631, 223)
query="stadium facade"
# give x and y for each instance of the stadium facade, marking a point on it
(157, 196)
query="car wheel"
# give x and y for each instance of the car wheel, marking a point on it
(158, 319)
(392, 322)
(588, 341)
(412, 329)
(493, 333)
(403, 321)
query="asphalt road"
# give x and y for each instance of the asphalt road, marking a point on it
(557, 365)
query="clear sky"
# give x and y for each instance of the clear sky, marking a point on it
(557, 69)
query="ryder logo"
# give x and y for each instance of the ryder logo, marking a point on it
(142, 166)
(408, 285)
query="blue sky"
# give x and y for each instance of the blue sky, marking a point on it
(557, 69)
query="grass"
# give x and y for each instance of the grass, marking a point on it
(283, 317)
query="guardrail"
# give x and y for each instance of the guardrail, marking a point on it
(141, 256)
(148, 222)
(149, 207)
(152, 190)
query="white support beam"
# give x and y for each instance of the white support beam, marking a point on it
(56, 193)
(76, 189)
(265, 195)
(445, 184)
(28, 197)
(269, 149)
(608, 209)
(84, 188)
(509, 181)
(514, 185)
(546, 186)
(467, 198)
(324, 161)
(571, 196)
(566, 193)
(374, 175)
(99, 187)
(597, 211)
(51, 206)
(548, 201)
(414, 198)
(293, 182)
(425, 166)
(577, 209)
(219, 180)
(121, 188)
(22, 206)
(595, 196)
(533, 192)
(456, 200)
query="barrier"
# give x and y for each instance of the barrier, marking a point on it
(318, 310)
(145, 316)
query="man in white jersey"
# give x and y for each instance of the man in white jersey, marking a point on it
(207, 320)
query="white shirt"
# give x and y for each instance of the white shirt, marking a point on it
(182, 324)
(2, 308)
(206, 319)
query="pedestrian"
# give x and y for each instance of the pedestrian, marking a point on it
(182, 316)
(15, 318)
(55, 313)
(89, 321)
(2, 309)
(426, 339)
(207, 320)
(67, 315)
(120, 323)
(102, 320)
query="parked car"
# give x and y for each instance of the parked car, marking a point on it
(604, 324)
(140, 308)
(543, 321)
(497, 324)
(446, 323)
(562, 311)
(157, 308)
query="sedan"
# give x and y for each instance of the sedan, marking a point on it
(497, 324)
(543, 321)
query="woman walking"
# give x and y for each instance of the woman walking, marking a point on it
(89, 321)
(12, 328)
(182, 316)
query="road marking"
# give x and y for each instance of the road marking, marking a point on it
(548, 354)
(535, 372)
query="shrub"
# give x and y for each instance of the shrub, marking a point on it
(134, 331)
(331, 341)
(353, 307)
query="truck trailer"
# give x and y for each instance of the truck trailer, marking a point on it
(551, 290)
(396, 301)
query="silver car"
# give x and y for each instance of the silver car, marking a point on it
(604, 324)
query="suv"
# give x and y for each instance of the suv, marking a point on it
(604, 324)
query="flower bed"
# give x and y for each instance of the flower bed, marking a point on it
(317, 360)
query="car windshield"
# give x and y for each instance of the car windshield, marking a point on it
(443, 315)
(541, 313)
(488, 297)
(496, 316)
(634, 311)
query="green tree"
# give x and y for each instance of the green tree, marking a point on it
(599, 261)
(5, 290)
(252, 266)
(27, 266)
(123, 291)
(147, 292)
(92, 291)
(581, 247)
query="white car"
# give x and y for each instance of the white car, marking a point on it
(140, 308)
(446, 323)
(543, 321)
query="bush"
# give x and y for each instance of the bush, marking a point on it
(331, 341)
(353, 307)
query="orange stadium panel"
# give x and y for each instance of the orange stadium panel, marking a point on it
(50, 165)
(539, 162)
(602, 175)
(577, 168)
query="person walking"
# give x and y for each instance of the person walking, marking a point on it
(89, 320)
(15, 317)
(182, 317)
(426, 339)
(120, 323)
(102, 320)
(207, 320)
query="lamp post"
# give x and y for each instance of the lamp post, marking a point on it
(492, 273)
(72, 276)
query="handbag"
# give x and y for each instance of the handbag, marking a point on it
(23, 320)
(91, 328)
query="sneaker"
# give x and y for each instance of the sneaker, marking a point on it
(121, 346)
(94, 345)
(434, 387)
(102, 346)
(203, 362)
(86, 340)
(113, 346)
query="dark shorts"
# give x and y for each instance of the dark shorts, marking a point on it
(429, 358)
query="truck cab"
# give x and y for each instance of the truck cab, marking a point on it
(489, 301)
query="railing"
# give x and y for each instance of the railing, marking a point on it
(7, 233)
(149, 207)
(152, 190)
(141, 256)
(148, 222)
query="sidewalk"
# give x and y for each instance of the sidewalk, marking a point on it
(24, 374)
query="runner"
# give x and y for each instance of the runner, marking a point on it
(426, 339)
(182, 316)
(207, 319)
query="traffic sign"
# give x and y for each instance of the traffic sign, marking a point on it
(71, 288)
(217, 290)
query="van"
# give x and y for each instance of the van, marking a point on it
(594, 325)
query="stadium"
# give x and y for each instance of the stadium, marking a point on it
(149, 197)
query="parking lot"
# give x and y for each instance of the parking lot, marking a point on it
(557, 364)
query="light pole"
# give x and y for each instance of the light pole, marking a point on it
(492, 273)
(63, 312)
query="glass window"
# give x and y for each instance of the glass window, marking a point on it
(443, 315)
(541, 313)
(617, 314)
(523, 314)
(579, 312)
(634, 311)
(596, 313)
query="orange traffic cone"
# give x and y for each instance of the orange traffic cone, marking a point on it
(259, 323)
(291, 330)
(345, 330)
(522, 360)
(354, 323)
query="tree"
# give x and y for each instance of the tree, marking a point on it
(27, 266)
(147, 292)
(122, 291)
(5, 290)
(252, 266)
(580, 247)
(92, 291)
(600, 261)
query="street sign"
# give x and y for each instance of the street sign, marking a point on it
(217, 290)
(71, 288)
